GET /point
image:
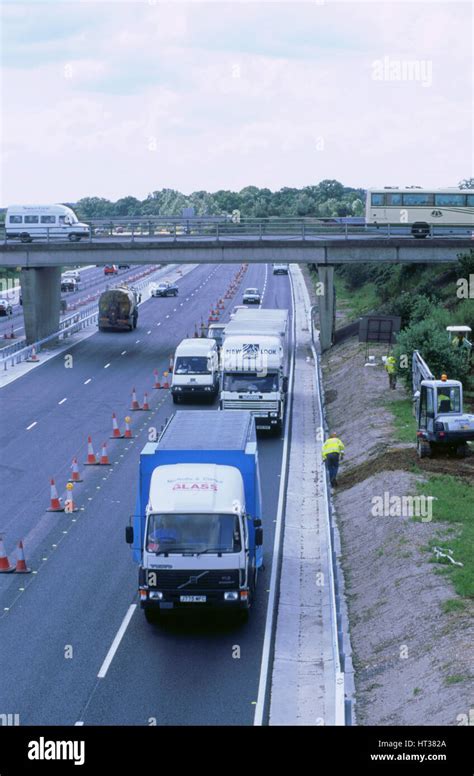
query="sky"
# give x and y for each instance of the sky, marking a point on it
(119, 98)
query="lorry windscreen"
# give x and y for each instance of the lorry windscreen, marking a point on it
(250, 382)
(192, 365)
(189, 532)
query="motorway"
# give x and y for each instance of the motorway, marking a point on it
(58, 624)
(93, 282)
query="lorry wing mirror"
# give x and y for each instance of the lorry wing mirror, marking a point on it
(258, 537)
(285, 384)
(129, 534)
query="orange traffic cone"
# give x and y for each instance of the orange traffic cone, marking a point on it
(75, 476)
(165, 383)
(21, 567)
(156, 383)
(104, 458)
(128, 433)
(146, 406)
(5, 565)
(91, 456)
(55, 502)
(115, 429)
(33, 356)
(135, 404)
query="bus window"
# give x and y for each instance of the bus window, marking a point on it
(31, 219)
(470, 200)
(418, 199)
(16, 219)
(454, 200)
(376, 199)
(48, 219)
(394, 199)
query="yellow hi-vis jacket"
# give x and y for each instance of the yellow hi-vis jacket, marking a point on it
(391, 365)
(332, 445)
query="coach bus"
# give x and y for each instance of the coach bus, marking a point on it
(421, 210)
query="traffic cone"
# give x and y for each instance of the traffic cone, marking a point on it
(165, 383)
(135, 405)
(91, 456)
(21, 567)
(75, 476)
(115, 429)
(69, 505)
(55, 502)
(128, 433)
(33, 356)
(145, 406)
(5, 565)
(156, 383)
(104, 458)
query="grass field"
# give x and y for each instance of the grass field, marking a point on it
(403, 420)
(454, 505)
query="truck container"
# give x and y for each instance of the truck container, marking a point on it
(118, 308)
(197, 530)
(254, 366)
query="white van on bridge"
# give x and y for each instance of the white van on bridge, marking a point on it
(27, 222)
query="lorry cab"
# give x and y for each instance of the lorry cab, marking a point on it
(197, 530)
(29, 222)
(195, 370)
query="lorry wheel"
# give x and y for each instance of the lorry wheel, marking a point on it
(423, 448)
(175, 399)
(152, 616)
(242, 616)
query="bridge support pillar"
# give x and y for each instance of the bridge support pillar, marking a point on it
(41, 294)
(326, 305)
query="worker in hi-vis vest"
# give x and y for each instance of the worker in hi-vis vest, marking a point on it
(391, 367)
(333, 452)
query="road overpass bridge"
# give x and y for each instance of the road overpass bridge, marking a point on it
(208, 243)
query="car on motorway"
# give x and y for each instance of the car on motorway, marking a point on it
(251, 296)
(164, 289)
(72, 273)
(69, 284)
(5, 307)
(280, 269)
(110, 269)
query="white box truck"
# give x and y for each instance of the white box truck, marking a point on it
(254, 368)
(195, 370)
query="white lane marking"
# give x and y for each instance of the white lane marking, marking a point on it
(159, 324)
(86, 382)
(167, 316)
(78, 724)
(271, 606)
(123, 352)
(181, 304)
(174, 310)
(136, 343)
(149, 332)
(107, 366)
(31, 425)
(116, 642)
(62, 401)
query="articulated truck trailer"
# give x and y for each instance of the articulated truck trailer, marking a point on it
(197, 530)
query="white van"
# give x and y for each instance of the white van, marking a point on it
(195, 370)
(30, 222)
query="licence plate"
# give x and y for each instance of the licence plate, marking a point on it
(193, 599)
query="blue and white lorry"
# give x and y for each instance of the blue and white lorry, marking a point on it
(197, 530)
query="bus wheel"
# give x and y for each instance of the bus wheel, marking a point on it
(420, 229)
(25, 237)
(74, 238)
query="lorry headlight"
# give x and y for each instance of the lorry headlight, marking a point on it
(177, 388)
(273, 414)
(231, 596)
(207, 387)
(156, 595)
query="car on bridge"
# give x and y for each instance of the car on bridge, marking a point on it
(251, 296)
(5, 307)
(111, 269)
(164, 289)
